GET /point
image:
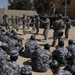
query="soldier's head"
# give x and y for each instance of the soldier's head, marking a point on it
(70, 60)
(59, 16)
(70, 42)
(32, 37)
(14, 55)
(2, 29)
(26, 70)
(7, 33)
(54, 66)
(47, 46)
(61, 43)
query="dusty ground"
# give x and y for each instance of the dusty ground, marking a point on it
(21, 59)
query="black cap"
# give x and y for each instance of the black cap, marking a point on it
(71, 41)
(32, 37)
(54, 64)
(59, 15)
(61, 43)
(47, 46)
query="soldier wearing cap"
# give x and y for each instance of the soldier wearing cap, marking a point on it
(31, 46)
(58, 26)
(68, 26)
(12, 63)
(70, 65)
(24, 24)
(6, 21)
(61, 53)
(41, 59)
(71, 47)
(16, 22)
(26, 70)
(13, 22)
(56, 69)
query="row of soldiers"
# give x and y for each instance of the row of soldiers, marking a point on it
(42, 59)
(10, 45)
(58, 25)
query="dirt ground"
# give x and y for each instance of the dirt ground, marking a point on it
(39, 37)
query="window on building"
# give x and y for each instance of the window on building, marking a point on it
(68, 1)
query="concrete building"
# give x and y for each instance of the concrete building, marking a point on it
(60, 5)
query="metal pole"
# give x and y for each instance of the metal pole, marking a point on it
(65, 8)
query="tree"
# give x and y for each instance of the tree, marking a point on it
(20, 4)
(42, 6)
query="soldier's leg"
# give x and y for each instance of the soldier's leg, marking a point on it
(17, 27)
(24, 29)
(54, 38)
(67, 32)
(33, 28)
(46, 34)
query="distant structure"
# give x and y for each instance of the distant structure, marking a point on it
(60, 5)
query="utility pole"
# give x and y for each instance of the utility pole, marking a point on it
(65, 8)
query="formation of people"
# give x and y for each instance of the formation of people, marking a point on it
(42, 59)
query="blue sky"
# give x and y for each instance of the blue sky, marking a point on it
(3, 3)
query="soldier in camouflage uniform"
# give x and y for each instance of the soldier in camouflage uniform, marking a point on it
(41, 59)
(31, 46)
(26, 70)
(46, 23)
(24, 24)
(58, 26)
(68, 26)
(61, 53)
(71, 47)
(37, 24)
(12, 63)
(56, 69)
(28, 22)
(10, 67)
(16, 22)
(14, 35)
(13, 22)
(70, 65)
(6, 21)
(3, 54)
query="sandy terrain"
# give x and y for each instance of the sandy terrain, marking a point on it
(21, 59)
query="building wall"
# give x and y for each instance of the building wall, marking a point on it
(70, 7)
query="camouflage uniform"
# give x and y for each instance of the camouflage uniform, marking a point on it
(34, 21)
(6, 21)
(41, 59)
(71, 49)
(14, 45)
(37, 25)
(61, 54)
(68, 26)
(26, 70)
(62, 72)
(30, 47)
(28, 22)
(46, 27)
(13, 22)
(24, 24)
(16, 22)
(57, 27)
(3, 54)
